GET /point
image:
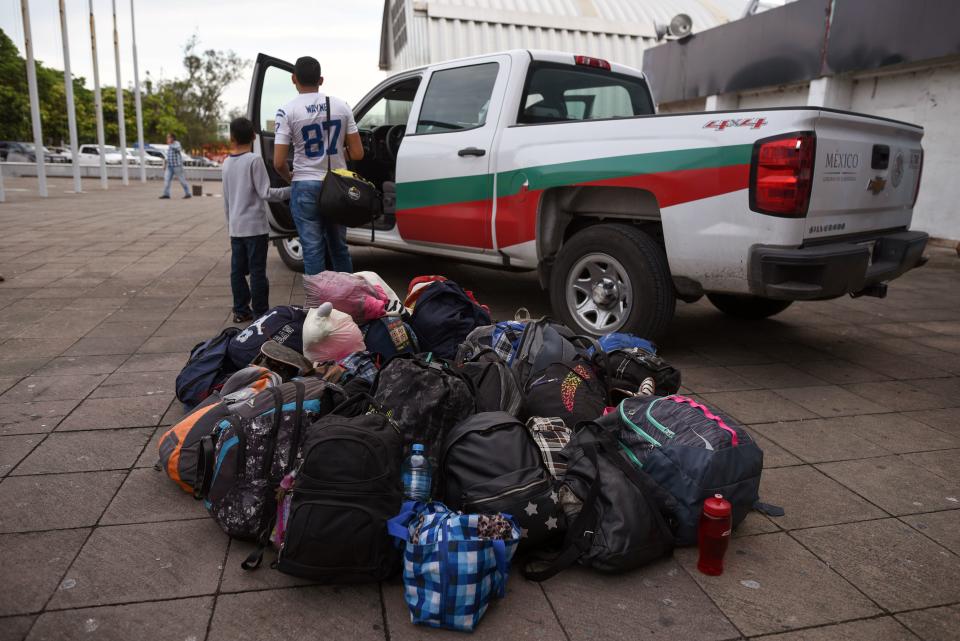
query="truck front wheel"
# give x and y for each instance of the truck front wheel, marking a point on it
(291, 253)
(749, 307)
(611, 278)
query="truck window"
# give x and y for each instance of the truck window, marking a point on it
(457, 99)
(392, 107)
(277, 91)
(562, 93)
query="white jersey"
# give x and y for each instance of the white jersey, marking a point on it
(302, 123)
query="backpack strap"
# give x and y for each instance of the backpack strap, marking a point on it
(205, 457)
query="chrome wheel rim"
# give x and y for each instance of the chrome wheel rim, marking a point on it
(293, 248)
(599, 293)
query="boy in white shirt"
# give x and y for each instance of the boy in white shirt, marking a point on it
(303, 123)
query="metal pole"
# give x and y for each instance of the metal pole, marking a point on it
(98, 101)
(3, 194)
(34, 102)
(136, 97)
(122, 125)
(71, 111)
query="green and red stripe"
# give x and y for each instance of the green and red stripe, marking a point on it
(457, 210)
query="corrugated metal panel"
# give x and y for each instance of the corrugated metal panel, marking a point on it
(616, 29)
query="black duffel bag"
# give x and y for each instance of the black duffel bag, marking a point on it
(346, 198)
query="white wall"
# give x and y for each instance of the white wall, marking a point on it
(928, 97)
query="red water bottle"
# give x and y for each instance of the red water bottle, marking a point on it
(714, 534)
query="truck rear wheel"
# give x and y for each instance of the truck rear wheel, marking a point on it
(749, 307)
(291, 253)
(611, 278)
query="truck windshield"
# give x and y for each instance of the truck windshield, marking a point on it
(563, 93)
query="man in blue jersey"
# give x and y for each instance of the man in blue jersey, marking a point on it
(303, 123)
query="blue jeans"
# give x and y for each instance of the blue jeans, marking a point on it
(168, 176)
(248, 255)
(318, 236)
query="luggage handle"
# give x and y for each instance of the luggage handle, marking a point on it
(204, 465)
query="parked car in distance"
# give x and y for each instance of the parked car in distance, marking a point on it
(25, 152)
(203, 161)
(133, 156)
(90, 155)
(60, 154)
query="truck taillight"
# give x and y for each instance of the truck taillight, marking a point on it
(781, 174)
(587, 61)
(916, 190)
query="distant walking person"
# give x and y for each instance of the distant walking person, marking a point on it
(174, 167)
(302, 123)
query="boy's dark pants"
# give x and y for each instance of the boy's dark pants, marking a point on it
(249, 256)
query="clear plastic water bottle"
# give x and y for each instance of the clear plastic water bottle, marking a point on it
(417, 475)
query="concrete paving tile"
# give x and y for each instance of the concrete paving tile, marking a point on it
(791, 352)
(55, 501)
(714, 379)
(894, 366)
(172, 362)
(757, 406)
(117, 329)
(830, 400)
(945, 343)
(150, 453)
(174, 413)
(943, 463)
(819, 440)
(773, 454)
(524, 614)
(196, 327)
(348, 612)
(105, 345)
(810, 499)
(165, 344)
(947, 388)
(900, 396)
(159, 621)
(732, 354)
(899, 433)
(147, 495)
(756, 523)
(146, 562)
(14, 448)
(86, 451)
(33, 348)
(942, 527)
(883, 628)
(945, 420)
(772, 584)
(658, 601)
(32, 566)
(889, 561)
(107, 413)
(777, 375)
(934, 624)
(89, 302)
(840, 372)
(236, 579)
(125, 384)
(23, 366)
(15, 628)
(895, 485)
(7, 382)
(66, 365)
(52, 388)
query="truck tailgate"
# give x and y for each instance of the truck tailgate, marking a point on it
(865, 177)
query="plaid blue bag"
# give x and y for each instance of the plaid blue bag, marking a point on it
(450, 571)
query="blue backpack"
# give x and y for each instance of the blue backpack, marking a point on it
(207, 367)
(389, 336)
(443, 316)
(283, 324)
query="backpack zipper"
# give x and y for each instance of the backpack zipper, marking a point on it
(510, 492)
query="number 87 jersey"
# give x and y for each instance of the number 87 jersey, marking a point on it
(303, 123)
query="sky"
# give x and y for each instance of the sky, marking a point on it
(343, 36)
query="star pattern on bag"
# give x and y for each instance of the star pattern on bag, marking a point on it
(552, 523)
(554, 497)
(531, 509)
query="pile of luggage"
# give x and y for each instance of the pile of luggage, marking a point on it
(562, 448)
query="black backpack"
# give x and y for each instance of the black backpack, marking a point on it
(283, 324)
(625, 369)
(570, 390)
(495, 385)
(389, 336)
(207, 368)
(426, 397)
(619, 518)
(542, 343)
(345, 491)
(490, 464)
(443, 316)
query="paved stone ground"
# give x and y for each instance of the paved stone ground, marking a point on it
(105, 292)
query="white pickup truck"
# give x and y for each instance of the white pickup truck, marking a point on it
(537, 160)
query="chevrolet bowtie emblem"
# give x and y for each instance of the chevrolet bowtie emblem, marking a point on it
(876, 185)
